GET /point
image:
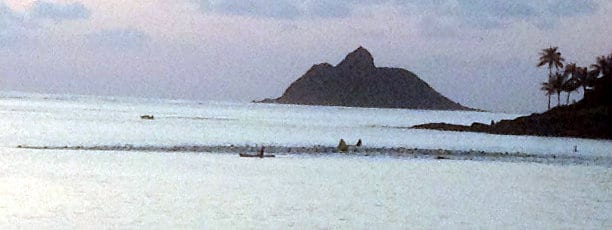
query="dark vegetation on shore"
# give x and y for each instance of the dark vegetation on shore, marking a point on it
(591, 117)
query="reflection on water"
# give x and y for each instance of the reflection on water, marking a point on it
(75, 189)
(96, 121)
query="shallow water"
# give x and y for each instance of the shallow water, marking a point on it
(51, 120)
(78, 189)
(160, 189)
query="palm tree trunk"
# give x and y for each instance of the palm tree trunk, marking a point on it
(568, 96)
(549, 77)
(558, 98)
(549, 72)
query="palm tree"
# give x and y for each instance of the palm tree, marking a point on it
(599, 66)
(570, 85)
(607, 66)
(604, 65)
(557, 84)
(549, 89)
(580, 75)
(570, 68)
(570, 80)
(552, 58)
(601, 92)
(585, 78)
(591, 77)
(601, 69)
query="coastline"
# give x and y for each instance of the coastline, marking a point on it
(578, 121)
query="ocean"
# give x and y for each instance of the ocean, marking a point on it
(71, 161)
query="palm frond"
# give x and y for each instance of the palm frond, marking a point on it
(542, 62)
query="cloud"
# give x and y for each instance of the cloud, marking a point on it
(14, 28)
(283, 9)
(57, 11)
(480, 14)
(329, 8)
(571, 7)
(7, 17)
(118, 38)
(23, 27)
(543, 14)
(279, 9)
(447, 18)
(431, 26)
(493, 13)
(471, 44)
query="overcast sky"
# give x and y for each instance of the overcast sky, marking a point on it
(480, 53)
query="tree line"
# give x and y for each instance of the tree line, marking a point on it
(570, 77)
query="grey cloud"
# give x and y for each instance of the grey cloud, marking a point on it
(505, 8)
(5, 10)
(498, 8)
(7, 25)
(328, 8)
(11, 35)
(57, 11)
(571, 7)
(21, 28)
(493, 13)
(438, 27)
(7, 16)
(498, 13)
(280, 9)
(272, 9)
(276, 9)
(450, 17)
(483, 14)
(118, 38)
(14, 28)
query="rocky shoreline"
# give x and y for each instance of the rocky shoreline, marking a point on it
(317, 150)
(564, 121)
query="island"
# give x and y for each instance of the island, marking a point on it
(357, 82)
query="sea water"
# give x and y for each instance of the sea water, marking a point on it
(66, 120)
(133, 189)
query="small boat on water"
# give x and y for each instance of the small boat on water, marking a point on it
(147, 117)
(255, 155)
(260, 154)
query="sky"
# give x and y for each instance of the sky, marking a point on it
(480, 53)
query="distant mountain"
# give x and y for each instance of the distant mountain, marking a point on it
(356, 82)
